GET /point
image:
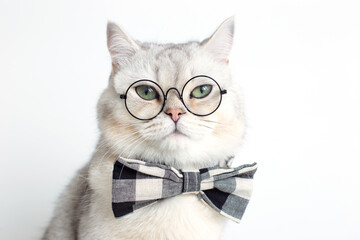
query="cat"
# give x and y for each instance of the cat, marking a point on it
(175, 137)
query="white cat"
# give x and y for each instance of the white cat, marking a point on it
(175, 137)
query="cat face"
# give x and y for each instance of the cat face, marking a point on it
(191, 140)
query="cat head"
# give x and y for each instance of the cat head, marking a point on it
(176, 136)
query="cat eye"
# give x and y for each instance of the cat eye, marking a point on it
(201, 91)
(146, 92)
(201, 96)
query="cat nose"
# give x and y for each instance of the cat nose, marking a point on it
(174, 113)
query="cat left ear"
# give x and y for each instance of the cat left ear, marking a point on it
(220, 43)
(120, 45)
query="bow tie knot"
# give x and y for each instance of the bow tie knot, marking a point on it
(191, 182)
(137, 184)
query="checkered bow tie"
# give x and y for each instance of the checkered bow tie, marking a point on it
(137, 184)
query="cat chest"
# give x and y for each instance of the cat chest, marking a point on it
(181, 217)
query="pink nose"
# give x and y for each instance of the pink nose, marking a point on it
(174, 113)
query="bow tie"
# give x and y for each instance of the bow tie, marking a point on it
(137, 184)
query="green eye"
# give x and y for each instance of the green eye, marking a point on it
(146, 92)
(201, 91)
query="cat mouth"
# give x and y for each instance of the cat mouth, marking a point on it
(176, 133)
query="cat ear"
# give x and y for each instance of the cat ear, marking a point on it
(220, 43)
(120, 45)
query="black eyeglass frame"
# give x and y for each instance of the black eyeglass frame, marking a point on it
(124, 96)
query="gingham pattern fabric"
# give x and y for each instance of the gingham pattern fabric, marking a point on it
(137, 184)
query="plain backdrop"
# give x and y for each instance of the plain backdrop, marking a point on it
(297, 62)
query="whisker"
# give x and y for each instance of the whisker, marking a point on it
(205, 126)
(205, 120)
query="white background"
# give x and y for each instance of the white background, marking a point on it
(297, 62)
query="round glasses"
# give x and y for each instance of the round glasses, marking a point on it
(145, 99)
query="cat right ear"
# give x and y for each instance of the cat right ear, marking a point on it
(220, 43)
(120, 45)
